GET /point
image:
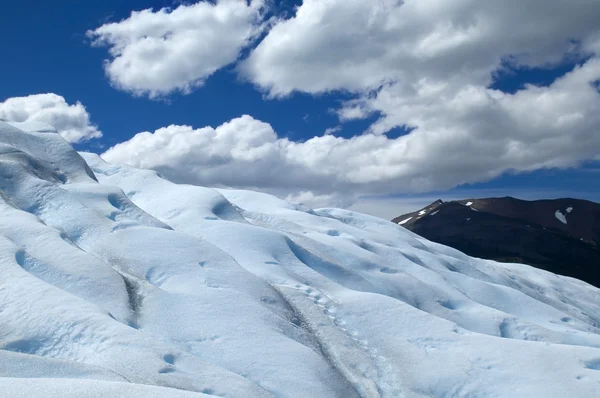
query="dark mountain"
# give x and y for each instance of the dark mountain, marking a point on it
(561, 235)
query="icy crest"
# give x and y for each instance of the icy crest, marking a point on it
(119, 282)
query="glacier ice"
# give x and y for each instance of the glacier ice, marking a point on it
(117, 282)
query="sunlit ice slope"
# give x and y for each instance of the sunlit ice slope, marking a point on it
(116, 282)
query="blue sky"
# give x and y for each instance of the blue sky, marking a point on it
(51, 55)
(47, 51)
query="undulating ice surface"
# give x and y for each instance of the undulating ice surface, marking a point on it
(116, 282)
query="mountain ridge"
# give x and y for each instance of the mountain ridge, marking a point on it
(559, 235)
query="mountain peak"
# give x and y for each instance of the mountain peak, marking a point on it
(560, 235)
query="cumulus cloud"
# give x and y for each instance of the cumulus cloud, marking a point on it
(358, 45)
(157, 53)
(427, 65)
(317, 201)
(539, 127)
(71, 121)
(413, 62)
(333, 130)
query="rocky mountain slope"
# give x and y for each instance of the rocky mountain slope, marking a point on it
(561, 235)
(116, 282)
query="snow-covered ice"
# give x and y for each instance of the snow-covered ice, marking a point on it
(468, 203)
(569, 209)
(422, 212)
(116, 282)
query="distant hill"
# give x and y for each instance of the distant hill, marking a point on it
(560, 235)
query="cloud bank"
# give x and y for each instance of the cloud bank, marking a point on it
(539, 127)
(71, 121)
(359, 46)
(425, 64)
(156, 53)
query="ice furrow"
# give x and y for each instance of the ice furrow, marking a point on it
(340, 345)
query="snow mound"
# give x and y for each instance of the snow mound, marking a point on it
(116, 282)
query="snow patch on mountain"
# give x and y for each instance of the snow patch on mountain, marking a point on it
(560, 217)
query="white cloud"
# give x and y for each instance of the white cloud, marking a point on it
(359, 45)
(333, 130)
(157, 53)
(425, 64)
(428, 65)
(71, 121)
(317, 201)
(556, 126)
(352, 111)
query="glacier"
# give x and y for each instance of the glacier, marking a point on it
(117, 282)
